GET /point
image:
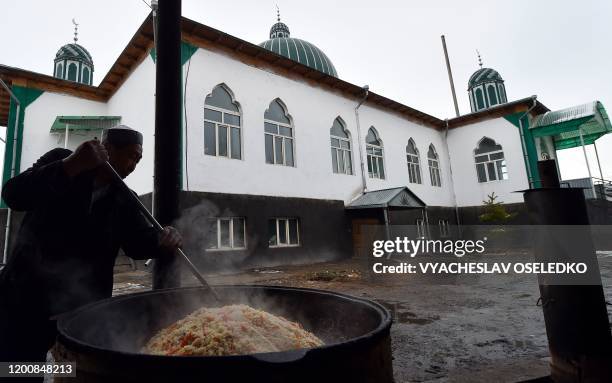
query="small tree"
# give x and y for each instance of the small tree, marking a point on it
(495, 211)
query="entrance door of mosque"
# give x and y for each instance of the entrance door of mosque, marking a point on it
(357, 228)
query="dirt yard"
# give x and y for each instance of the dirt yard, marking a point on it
(457, 329)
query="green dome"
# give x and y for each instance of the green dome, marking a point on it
(298, 50)
(484, 75)
(74, 52)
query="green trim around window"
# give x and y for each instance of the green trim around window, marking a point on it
(26, 96)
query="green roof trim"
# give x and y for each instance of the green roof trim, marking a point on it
(26, 96)
(83, 123)
(531, 155)
(565, 125)
(187, 50)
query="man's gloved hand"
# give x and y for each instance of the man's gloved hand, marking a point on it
(170, 238)
(89, 155)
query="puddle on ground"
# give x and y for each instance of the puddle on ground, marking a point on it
(268, 271)
(400, 314)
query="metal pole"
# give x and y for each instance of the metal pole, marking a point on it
(143, 209)
(530, 179)
(450, 76)
(167, 171)
(586, 159)
(154, 10)
(66, 136)
(364, 185)
(13, 160)
(422, 220)
(387, 231)
(598, 163)
(452, 179)
(427, 228)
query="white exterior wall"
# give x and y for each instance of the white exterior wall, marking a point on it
(462, 142)
(395, 132)
(313, 111)
(39, 116)
(134, 101)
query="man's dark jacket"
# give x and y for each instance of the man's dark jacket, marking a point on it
(66, 247)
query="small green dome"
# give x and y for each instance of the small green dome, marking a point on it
(484, 75)
(75, 52)
(305, 53)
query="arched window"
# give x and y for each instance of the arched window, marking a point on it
(72, 72)
(340, 148)
(492, 95)
(59, 70)
(479, 99)
(222, 132)
(85, 77)
(374, 150)
(490, 162)
(414, 163)
(434, 166)
(278, 135)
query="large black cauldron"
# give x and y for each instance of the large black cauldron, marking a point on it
(105, 338)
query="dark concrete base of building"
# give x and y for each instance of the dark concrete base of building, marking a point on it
(327, 230)
(323, 228)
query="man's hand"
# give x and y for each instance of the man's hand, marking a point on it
(89, 155)
(170, 238)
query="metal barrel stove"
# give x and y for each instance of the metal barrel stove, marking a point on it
(105, 338)
(575, 314)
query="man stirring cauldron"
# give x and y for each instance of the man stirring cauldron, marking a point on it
(76, 220)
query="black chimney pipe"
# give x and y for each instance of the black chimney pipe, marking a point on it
(167, 132)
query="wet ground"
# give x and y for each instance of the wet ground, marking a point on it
(478, 328)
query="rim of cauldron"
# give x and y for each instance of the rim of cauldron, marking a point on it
(64, 320)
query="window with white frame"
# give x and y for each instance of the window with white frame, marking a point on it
(227, 233)
(341, 148)
(490, 162)
(444, 228)
(374, 150)
(222, 133)
(434, 166)
(414, 163)
(278, 135)
(283, 232)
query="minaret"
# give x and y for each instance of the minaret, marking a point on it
(486, 88)
(73, 62)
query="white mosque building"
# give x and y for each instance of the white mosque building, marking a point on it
(281, 158)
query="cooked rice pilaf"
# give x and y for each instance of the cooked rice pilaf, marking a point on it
(230, 330)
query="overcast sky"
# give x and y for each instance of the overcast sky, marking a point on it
(557, 50)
